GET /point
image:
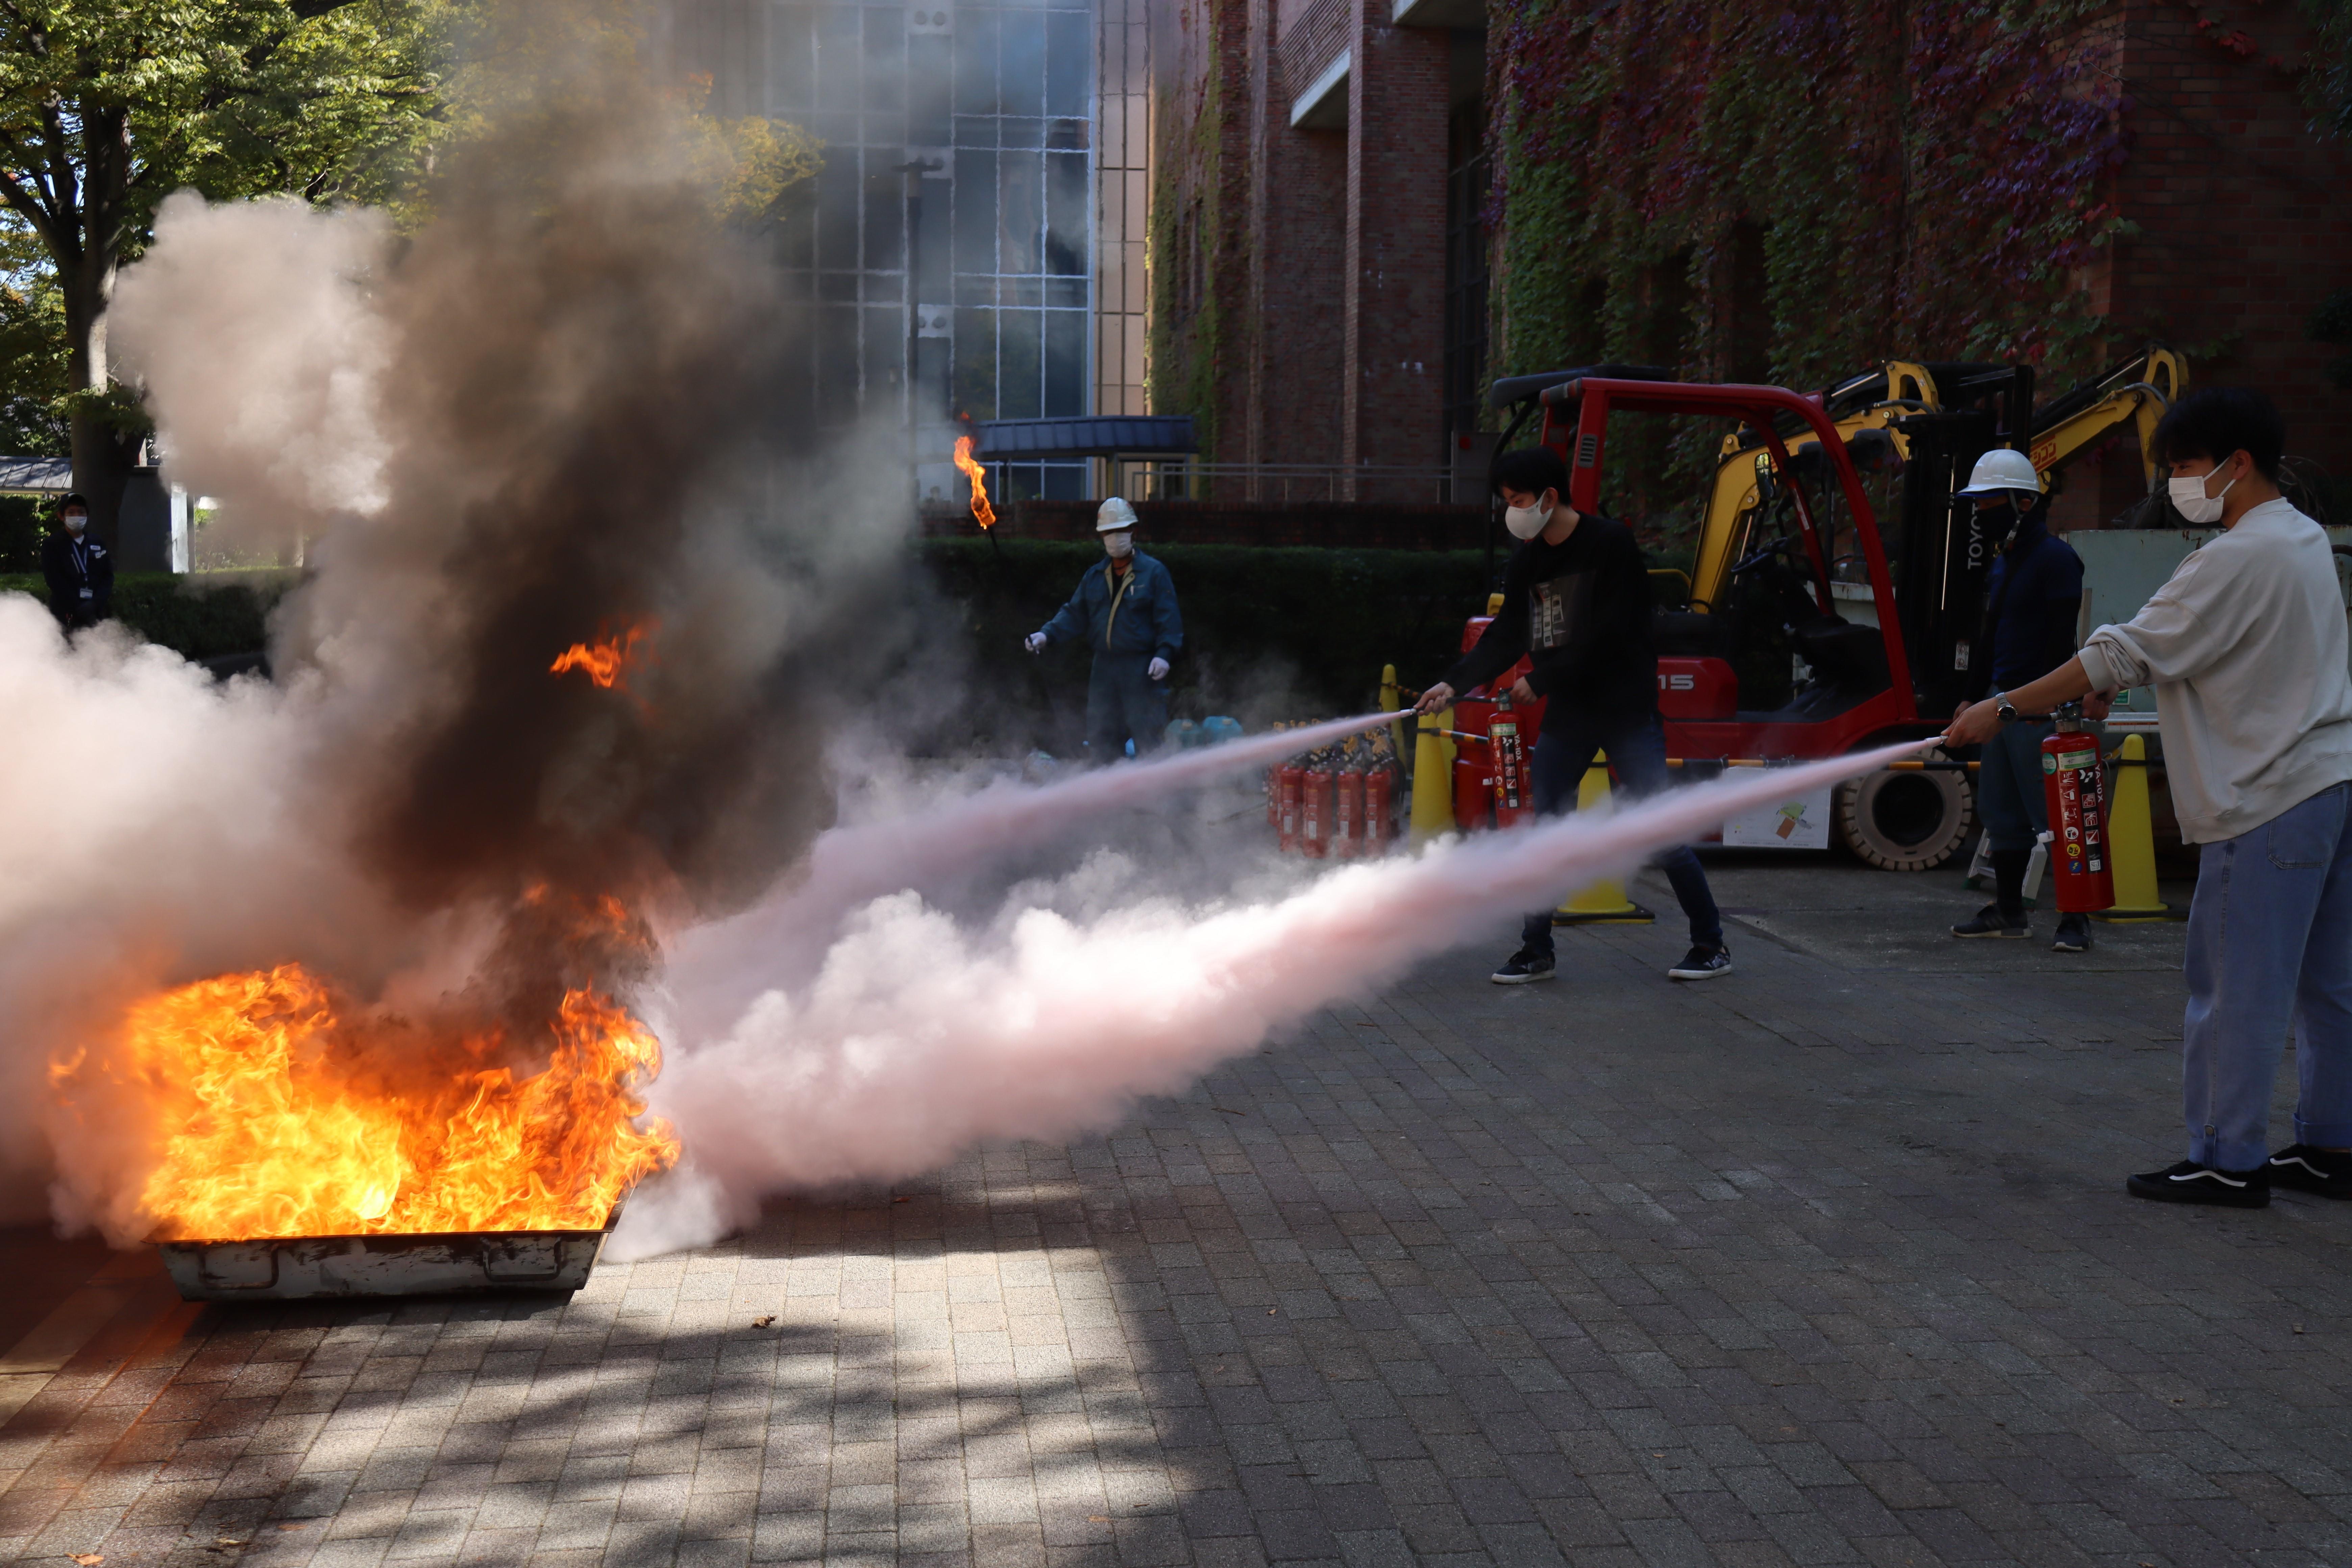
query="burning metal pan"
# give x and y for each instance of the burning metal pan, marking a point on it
(312, 1267)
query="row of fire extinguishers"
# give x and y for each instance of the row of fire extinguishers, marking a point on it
(1336, 801)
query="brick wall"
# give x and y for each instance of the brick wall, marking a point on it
(2243, 225)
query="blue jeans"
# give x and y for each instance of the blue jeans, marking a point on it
(2270, 944)
(2011, 796)
(1638, 754)
(1122, 703)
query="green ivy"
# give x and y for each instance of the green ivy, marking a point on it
(1791, 190)
(1188, 334)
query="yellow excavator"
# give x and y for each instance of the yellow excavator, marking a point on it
(1929, 422)
(2136, 392)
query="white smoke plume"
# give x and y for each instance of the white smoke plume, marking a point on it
(920, 1038)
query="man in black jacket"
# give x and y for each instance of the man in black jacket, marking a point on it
(1576, 597)
(78, 569)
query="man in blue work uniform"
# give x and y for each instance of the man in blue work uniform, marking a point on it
(2032, 601)
(1125, 608)
(78, 569)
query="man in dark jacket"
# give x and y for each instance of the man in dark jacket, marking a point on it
(1576, 599)
(1125, 608)
(2033, 597)
(78, 569)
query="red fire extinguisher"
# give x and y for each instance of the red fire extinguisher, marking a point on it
(1378, 825)
(1290, 782)
(2077, 784)
(1513, 804)
(1348, 842)
(1315, 815)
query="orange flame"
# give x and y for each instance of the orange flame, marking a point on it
(275, 1118)
(603, 659)
(979, 477)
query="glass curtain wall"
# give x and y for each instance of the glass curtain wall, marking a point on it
(995, 103)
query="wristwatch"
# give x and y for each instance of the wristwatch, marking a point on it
(2005, 710)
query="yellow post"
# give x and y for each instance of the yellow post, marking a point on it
(2131, 841)
(1603, 903)
(1432, 778)
(1390, 701)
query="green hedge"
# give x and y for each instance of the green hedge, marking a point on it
(1268, 632)
(200, 616)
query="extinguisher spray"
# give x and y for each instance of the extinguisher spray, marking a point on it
(1512, 801)
(2076, 785)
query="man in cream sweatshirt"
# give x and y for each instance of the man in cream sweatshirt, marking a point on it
(2246, 648)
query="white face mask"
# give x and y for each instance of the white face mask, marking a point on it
(1118, 546)
(2189, 498)
(75, 522)
(1526, 521)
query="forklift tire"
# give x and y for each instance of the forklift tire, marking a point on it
(1905, 821)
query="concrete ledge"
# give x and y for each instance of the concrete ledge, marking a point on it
(1324, 105)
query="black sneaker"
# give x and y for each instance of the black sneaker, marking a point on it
(2310, 1170)
(2074, 934)
(1702, 964)
(1990, 922)
(2191, 1183)
(1523, 967)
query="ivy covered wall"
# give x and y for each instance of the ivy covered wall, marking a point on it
(1789, 190)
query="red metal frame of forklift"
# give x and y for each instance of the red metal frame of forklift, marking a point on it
(1891, 713)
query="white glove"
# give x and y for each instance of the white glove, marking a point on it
(1034, 641)
(1157, 668)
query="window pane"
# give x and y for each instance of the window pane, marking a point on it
(975, 211)
(1021, 182)
(1023, 86)
(886, 355)
(885, 212)
(928, 64)
(1065, 364)
(886, 54)
(836, 363)
(1069, 56)
(1066, 213)
(1017, 353)
(789, 68)
(975, 91)
(836, 221)
(839, 48)
(974, 392)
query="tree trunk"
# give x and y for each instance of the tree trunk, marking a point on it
(102, 457)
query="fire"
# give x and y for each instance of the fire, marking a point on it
(979, 477)
(276, 1117)
(603, 659)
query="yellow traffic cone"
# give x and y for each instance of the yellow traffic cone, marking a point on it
(2131, 841)
(1432, 778)
(1390, 701)
(1603, 903)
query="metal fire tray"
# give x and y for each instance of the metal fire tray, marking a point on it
(310, 1268)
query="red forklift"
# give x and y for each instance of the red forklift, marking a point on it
(1772, 671)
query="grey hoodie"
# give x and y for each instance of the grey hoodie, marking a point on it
(2245, 646)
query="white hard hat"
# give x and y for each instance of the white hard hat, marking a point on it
(1114, 516)
(2002, 468)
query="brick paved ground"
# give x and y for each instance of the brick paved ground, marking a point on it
(1826, 1263)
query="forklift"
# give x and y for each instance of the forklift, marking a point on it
(1756, 661)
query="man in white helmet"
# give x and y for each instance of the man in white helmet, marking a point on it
(2033, 597)
(1125, 608)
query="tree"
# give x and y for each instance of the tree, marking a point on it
(109, 106)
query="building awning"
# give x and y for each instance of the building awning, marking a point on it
(35, 476)
(1155, 436)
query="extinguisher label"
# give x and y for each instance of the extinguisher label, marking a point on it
(2077, 759)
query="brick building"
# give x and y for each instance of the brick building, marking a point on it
(1326, 289)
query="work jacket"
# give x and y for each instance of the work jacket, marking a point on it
(1138, 616)
(71, 566)
(2033, 597)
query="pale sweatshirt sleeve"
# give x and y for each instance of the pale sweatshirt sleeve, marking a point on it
(2168, 640)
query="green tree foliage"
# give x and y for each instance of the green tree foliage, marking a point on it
(109, 106)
